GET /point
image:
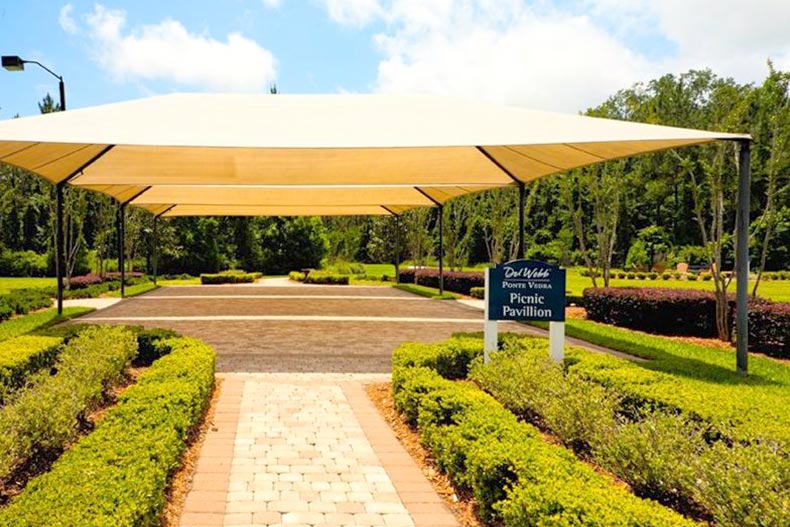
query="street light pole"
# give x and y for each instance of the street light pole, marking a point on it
(15, 63)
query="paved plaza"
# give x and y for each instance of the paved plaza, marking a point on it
(295, 439)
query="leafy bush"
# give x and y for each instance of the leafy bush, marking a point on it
(621, 275)
(22, 301)
(769, 329)
(81, 282)
(118, 475)
(23, 356)
(640, 276)
(456, 281)
(587, 274)
(513, 473)
(23, 263)
(297, 276)
(630, 276)
(477, 292)
(652, 275)
(322, 278)
(228, 278)
(46, 416)
(692, 277)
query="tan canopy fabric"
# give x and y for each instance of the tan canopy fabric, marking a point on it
(209, 153)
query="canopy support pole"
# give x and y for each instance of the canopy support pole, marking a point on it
(441, 250)
(156, 247)
(60, 263)
(397, 249)
(742, 257)
(121, 251)
(521, 199)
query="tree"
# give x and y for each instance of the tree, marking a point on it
(418, 239)
(292, 243)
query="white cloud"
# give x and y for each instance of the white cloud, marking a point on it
(168, 51)
(352, 12)
(504, 52)
(66, 21)
(563, 55)
(272, 4)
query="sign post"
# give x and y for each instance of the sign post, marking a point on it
(526, 290)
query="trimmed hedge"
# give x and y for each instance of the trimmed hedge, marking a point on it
(297, 276)
(666, 311)
(23, 356)
(22, 301)
(655, 310)
(665, 452)
(456, 281)
(769, 329)
(321, 278)
(515, 475)
(229, 277)
(118, 475)
(47, 415)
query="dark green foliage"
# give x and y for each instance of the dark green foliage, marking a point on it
(513, 473)
(23, 263)
(22, 301)
(117, 476)
(769, 329)
(148, 347)
(229, 278)
(477, 292)
(293, 243)
(46, 415)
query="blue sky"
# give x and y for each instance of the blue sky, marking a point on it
(558, 55)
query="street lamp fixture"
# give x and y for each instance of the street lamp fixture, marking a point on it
(15, 63)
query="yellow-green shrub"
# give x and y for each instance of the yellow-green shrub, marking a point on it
(22, 356)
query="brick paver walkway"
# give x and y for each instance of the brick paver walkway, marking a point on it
(295, 439)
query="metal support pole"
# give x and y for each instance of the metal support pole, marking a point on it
(521, 196)
(121, 252)
(397, 249)
(441, 250)
(60, 262)
(156, 247)
(742, 256)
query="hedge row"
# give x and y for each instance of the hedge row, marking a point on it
(515, 475)
(22, 356)
(46, 416)
(769, 329)
(22, 301)
(38, 321)
(118, 475)
(455, 281)
(229, 278)
(687, 312)
(663, 453)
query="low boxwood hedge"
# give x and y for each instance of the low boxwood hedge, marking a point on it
(322, 278)
(46, 415)
(22, 301)
(297, 276)
(229, 277)
(118, 474)
(23, 356)
(515, 475)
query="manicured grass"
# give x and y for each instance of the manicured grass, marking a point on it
(428, 292)
(169, 283)
(134, 290)
(41, 320)
(9, 283)
(697, 380)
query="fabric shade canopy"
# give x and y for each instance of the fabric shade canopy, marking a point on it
(203, 154)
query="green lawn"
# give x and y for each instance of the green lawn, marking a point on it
(168, 283)
(35, 321)
(7, 283)
(428, 292)
(134, 290)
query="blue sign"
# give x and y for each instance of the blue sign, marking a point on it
(526, 290)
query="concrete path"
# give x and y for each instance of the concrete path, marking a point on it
(95, 303)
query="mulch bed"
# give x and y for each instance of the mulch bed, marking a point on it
(180, 484)
(462, 507)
